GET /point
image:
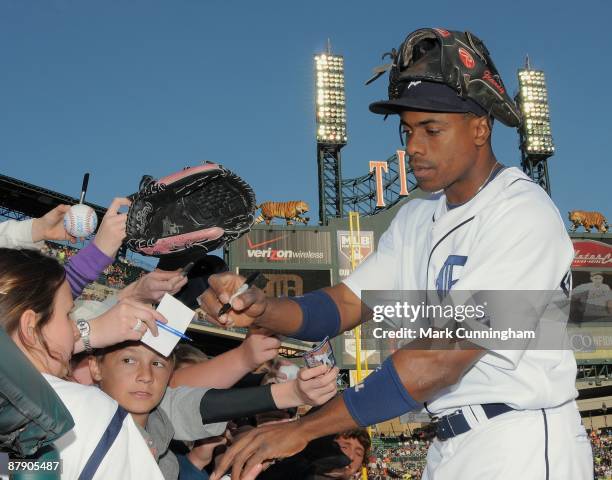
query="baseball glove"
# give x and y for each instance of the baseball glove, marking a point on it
(457, 59)
(199, 207)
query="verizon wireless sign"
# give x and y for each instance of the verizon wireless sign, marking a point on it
(277, 247)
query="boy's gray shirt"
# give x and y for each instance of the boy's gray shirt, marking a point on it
(182, 406)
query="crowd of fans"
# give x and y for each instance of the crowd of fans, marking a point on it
(172, 415)
(601, 442)
(121, 273)
(116, 276)
(398, 459)
(184, 409)
(63, 253)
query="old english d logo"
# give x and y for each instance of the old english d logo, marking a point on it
(445, 280)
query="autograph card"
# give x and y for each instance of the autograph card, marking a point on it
(321, 354)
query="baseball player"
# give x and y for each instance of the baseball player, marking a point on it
(595, 297)
(502, 414)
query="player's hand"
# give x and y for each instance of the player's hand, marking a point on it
(257, 349)
(118, 323)
(263, 443)
(51, 226)
(112, 229)
(316, 386)
(151, 287)
(245, 308)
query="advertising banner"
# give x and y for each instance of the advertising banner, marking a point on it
(362, 246)
(274, 247)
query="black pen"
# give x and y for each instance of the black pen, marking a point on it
(243, 288)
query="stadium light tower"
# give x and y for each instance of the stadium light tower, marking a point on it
(536, 142)
(331, 131)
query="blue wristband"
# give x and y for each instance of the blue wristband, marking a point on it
(320, 317)
(380, 397)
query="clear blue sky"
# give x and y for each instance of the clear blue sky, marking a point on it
(123, 88)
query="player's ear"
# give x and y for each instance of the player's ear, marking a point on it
(482, 130)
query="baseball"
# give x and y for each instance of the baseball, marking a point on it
(80, 220)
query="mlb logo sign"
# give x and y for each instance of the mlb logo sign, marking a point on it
(362, 245)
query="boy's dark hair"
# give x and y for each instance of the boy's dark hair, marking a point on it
(363, 437)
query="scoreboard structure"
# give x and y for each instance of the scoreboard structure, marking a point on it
(294, 260)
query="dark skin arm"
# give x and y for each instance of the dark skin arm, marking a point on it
(423, 374)
(280, 315)
(423, 371)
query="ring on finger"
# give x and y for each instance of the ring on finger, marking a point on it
(136, 327)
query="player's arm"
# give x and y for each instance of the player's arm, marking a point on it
(325, 312)
(404, 382)
(314, 316)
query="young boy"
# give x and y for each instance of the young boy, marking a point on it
(137, 378)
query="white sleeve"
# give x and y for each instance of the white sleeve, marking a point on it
(182, 406)
(17, 234)
(522, 247)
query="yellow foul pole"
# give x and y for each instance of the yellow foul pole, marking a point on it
(355, 245)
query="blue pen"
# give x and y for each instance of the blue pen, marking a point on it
(172, 330)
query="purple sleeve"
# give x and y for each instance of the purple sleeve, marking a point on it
(85, 267)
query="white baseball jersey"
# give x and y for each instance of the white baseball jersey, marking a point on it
(510, 236)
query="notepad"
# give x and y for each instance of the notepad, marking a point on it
(179, 317)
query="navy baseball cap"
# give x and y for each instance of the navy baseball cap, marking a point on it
(425, 96)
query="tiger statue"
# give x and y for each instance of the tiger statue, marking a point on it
(588, 220)
(290, 211)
